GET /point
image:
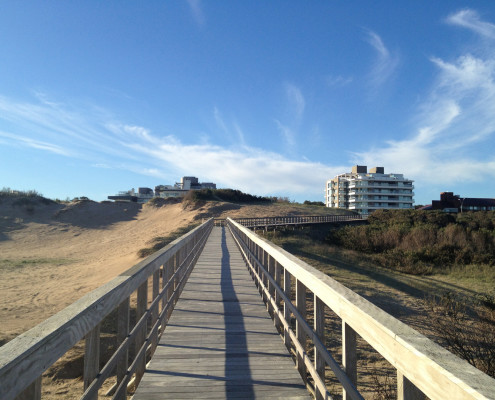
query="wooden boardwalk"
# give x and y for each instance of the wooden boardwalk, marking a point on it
(220, 342)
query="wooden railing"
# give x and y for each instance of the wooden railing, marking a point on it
(266, 222)
(423, 367)
(24, 359)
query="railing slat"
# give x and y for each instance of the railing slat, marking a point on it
(406, 390)
(123, 313)
(319, 324)
(349, 355)
(287, 292)
(91, 357)
(301, 335)
(432, 369)
(32, 392)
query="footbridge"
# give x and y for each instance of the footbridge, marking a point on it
(222, 313)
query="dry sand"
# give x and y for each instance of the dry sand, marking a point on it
(52, 255)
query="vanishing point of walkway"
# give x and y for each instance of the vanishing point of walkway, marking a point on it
(220, 342)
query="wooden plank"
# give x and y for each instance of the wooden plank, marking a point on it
(220, 337)
(32, 392)
(406, 390)
(31, 353)
(91, 357)
(319, 327)
(436, 372)
(300, 334)
(349, 355)
(123, 313)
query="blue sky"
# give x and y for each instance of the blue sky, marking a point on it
(270, 97)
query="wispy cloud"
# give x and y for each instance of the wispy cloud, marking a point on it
(338, 80)
(385, 63)
(287, 134)
(455, 120)
(290, 123)
(470, 19)
(232, 131)
(197, 11)
(296, 100)
(35, 144)
(110, 144)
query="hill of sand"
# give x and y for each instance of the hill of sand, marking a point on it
(53, 254)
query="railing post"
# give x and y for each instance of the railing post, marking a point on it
(32, 392)
(349, 355)
(406, 389)
(142, 304)
(300, 334)
(319, 326)
(276, 267)
(155, 313)
(91, 357)
(287, 292)
(122, 332)
(168, 273)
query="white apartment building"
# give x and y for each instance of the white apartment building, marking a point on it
(365, 192)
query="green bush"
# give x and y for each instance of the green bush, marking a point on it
(227, 195)
(416, 240)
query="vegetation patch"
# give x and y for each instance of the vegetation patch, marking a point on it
(22, 198)
(416, 242)
(467, 328)
(226, 195)
(160, 242)
(11, 264)
(160, 201)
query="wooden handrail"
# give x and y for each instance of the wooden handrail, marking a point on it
(296, 220)
(421, 364)
(25, 358)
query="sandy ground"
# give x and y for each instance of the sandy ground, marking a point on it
(53, 255)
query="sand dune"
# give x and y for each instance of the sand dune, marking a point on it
(51, 255)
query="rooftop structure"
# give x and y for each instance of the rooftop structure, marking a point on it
(365, 192)
(179, 189)
(454, 203)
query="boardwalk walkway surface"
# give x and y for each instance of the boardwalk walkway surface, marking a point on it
(220, 342)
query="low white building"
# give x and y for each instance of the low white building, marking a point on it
(365, 192)
(180, 189)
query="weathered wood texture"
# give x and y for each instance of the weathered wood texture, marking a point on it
(26, 357)
(220, 342)
(425, 365)
(272, 222)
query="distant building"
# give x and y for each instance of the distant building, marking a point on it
(179, 189)
(451, 202)
(141, 196)
(365, 192)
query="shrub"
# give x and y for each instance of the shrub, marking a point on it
(227, 195)
(414, 240)
(160, 242)
(467, 328)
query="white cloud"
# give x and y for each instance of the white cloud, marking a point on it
(454, 122)
(338, 80)
(470, 19)
(109, 144)
(296, 100)
(197, 11)
(385, 63)
(35, 144)
(287, 133)
(250, 169)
